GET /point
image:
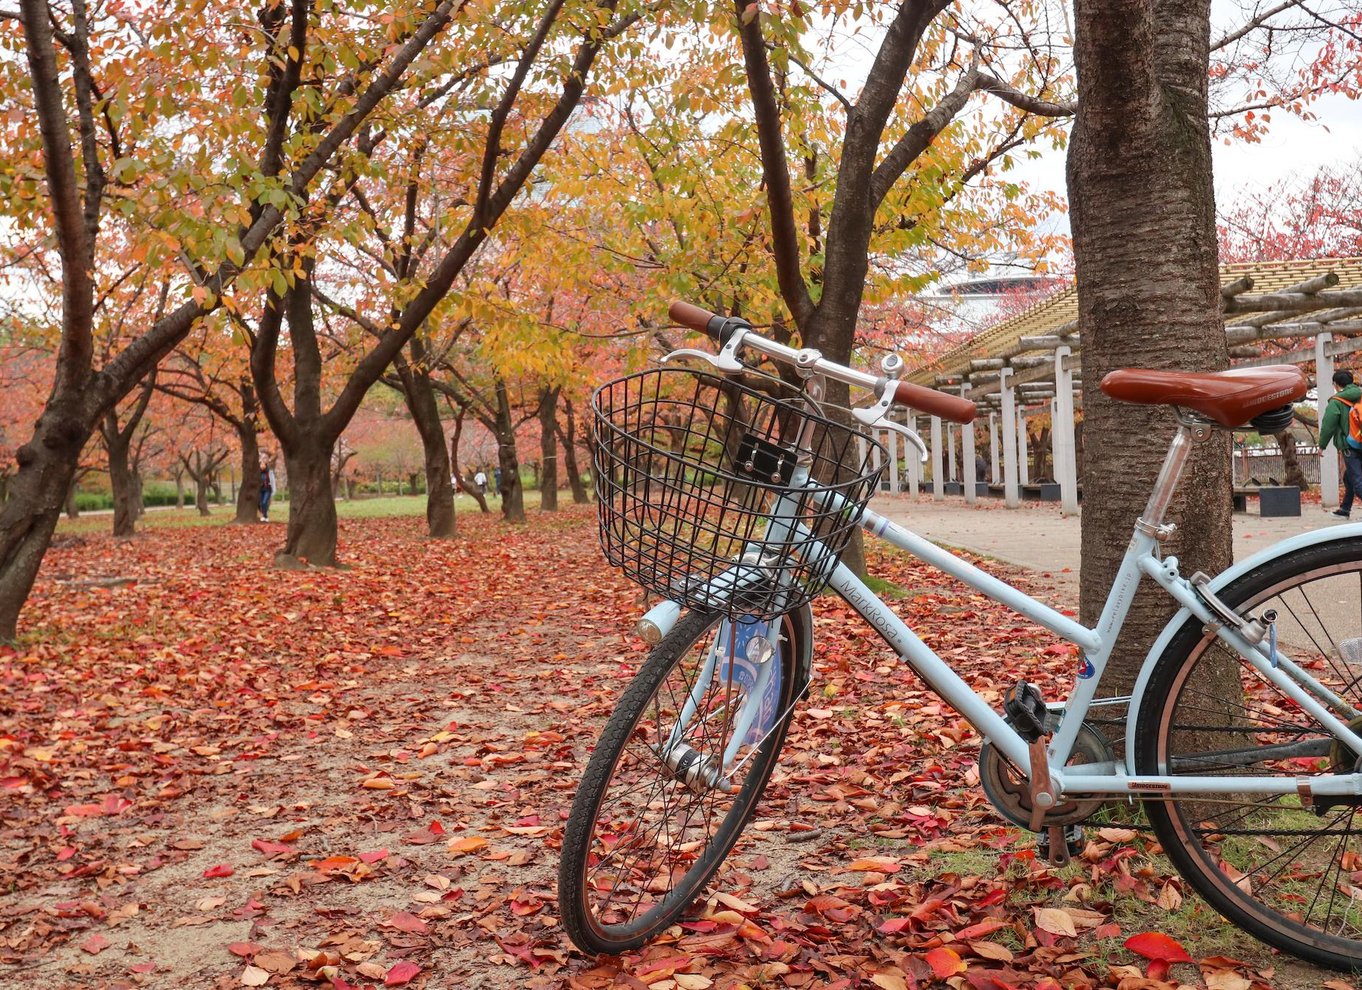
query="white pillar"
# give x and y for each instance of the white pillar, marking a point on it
(952, 473)
(891, 444)
(1324, 388)
(914, 459)
(1011, 493)
(1023, 455)
(967, 458)
(938, 482)
(1062, 432)
(995, 471)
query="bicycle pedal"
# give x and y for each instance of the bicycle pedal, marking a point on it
(1025, 710)
(1060, 843)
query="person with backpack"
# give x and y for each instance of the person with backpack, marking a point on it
(1341, 426)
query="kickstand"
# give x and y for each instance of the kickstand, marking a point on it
(1059, 845)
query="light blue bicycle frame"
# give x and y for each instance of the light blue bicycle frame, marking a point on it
(1141, 561)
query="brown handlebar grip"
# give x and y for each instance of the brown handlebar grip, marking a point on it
(955, 408)
(692, 316)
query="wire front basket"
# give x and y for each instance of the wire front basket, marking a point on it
(690, 468)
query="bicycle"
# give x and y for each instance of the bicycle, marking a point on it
(733, 497)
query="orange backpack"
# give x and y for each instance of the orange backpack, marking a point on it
(1354, 435)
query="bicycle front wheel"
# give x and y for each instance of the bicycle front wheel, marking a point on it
(659, 807)
(1285, 869)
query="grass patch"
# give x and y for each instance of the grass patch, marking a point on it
(885, 589)
(384, 507)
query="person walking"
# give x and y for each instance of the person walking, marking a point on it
(266, 490)
(1334, 430)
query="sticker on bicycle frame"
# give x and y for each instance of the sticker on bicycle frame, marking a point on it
(1087, 670)
(745, 674)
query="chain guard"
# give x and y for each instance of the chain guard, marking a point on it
(1009, 792)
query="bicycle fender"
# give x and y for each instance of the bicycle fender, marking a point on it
(1221, 580)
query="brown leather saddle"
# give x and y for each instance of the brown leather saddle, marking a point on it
(1231, 398)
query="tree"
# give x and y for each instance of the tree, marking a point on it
(1139, 167)
(103, 100)
(1315, 216)
(118, 440)
(208, 369)
(558, 43)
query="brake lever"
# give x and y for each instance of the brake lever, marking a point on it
(877, 416)
(726, 360)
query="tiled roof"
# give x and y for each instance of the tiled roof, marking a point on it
(1049, 315)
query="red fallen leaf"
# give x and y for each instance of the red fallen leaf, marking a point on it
(243, 949)
(65, 853)
(945, 962)
(401, 973)
(146, 967)
(979, 930)
(115, 805)
(894, 925)
(95, 944)
(1161, 951)
(221, 870)
(374, 856)
(83, 810)
(333, 863)
(1158, 947)
(270, 847)
(407, 922)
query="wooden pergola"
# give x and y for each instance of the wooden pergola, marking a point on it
(1278, 312)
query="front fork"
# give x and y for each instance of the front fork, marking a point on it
(696, 770)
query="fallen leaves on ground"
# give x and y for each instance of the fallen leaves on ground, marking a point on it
(226, 775)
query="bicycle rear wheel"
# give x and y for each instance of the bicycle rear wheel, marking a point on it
(650, 823)
(1282, 868)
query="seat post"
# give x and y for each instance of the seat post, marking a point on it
(1152, 521)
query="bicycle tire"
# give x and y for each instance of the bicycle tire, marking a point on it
(622, 755)
(1270, 865)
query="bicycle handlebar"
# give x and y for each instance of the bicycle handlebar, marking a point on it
(955, 408)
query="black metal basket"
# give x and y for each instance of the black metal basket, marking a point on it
(689, 465)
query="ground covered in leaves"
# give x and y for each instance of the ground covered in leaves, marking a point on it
(216, 774)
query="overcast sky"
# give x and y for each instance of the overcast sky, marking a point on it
(1291, 148)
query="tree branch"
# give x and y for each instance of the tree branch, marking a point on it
(1023, 101)
(774, 166)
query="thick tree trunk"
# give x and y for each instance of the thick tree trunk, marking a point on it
(1139, 168)
(425, 413)
(247, 432)
(511, 491)
(47, 466)
(117, 444)
(574, 475)
(72, 505)
(548, 449)
(179, 489)
(201, 495)
(312, 506)
(138, 492)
